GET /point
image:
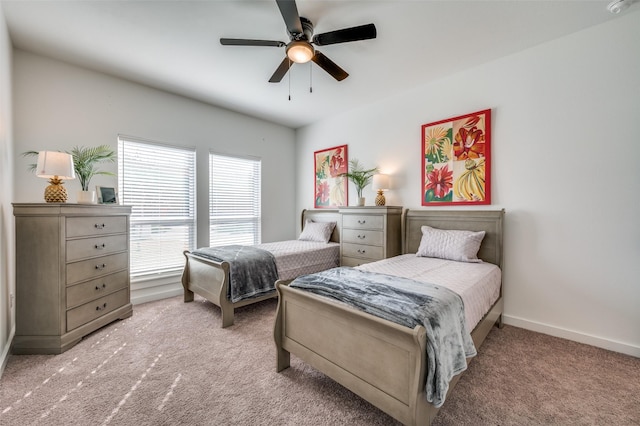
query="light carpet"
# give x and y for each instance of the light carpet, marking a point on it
(172, 364)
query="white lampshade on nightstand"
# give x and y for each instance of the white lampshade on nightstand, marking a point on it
(55, 166)
(380, 183)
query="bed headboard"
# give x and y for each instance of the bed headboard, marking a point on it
(324, 215)
(490, 221)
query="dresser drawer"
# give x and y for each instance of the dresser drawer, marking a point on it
(92, 310)
(353, 262)
(90, 290)
(97, 267)
(363, 221)
(96, 246)
(357, 236)
(362, 251)
(99, 225)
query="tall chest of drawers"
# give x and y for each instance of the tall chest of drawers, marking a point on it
(370, 233)
(72, 273)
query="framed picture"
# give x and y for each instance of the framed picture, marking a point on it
(107, 195)
(330, 187)
(456, 160)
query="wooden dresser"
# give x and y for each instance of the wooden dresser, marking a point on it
(72, 273)
(369, 234)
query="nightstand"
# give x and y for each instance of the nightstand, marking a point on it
(370, 233)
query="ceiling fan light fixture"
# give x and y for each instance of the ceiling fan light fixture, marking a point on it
(300, 52)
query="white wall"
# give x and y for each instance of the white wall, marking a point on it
(7, 259)
(566, 167)
(58, 106)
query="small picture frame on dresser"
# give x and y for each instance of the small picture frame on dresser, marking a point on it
(107, 195)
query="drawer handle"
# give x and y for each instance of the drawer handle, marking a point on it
(100, 308)
(362, 222)
(99, 246)
(100, 267)
(99, 226)
(362, 237)
(100, 288)
(361, 251)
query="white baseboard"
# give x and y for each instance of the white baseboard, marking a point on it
(154, 288)
(575, 336)
(6, 351)
(151, 294)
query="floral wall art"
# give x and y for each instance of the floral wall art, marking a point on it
(456, 160)
(330, 187)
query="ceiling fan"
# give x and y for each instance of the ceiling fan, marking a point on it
(301, 40)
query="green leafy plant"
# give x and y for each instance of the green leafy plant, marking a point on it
(85, 161)
(359, 176)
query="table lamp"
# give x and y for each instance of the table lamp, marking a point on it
(380, 183)
(55, 166)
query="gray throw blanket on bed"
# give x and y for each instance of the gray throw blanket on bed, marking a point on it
(439, 310)
(252, 271)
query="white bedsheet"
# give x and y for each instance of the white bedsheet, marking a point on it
(477, 283)
(295, 257)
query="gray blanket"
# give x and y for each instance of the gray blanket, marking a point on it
(439, 310)
(252, 271)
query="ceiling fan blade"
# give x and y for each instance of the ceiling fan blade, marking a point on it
(362, 32)
(247, 42)
(289, 12)
(281, 71)
(329, 66)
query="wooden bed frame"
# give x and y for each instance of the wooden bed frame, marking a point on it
(209, 278)
(382, 362)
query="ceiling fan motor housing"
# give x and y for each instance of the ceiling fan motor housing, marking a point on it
(300, 50)
(307, 29)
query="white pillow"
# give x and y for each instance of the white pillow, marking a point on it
(450, 244)
(317, 231)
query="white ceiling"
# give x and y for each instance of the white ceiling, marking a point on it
(174, 45)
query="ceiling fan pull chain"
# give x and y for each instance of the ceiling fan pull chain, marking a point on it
(310, 78)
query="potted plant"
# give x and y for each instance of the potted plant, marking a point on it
(360, 177)
(85, 162)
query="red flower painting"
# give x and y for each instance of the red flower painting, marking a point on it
(330, 186)
(456, 160)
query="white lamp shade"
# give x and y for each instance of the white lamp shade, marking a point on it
(380, 182)
(52, 163)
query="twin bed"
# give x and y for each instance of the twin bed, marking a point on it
(207, 271)
(351, 346)
(390, 365)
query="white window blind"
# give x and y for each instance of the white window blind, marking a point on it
(158, 181)
(234, 200)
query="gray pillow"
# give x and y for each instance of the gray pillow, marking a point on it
(450, 244)
(317, 231)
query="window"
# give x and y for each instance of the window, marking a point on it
(158, 181)
(234, 200)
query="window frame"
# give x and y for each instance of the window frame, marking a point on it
(254, 220)
(156, 222)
